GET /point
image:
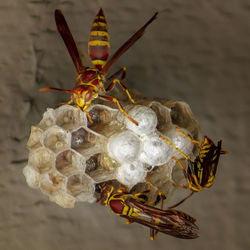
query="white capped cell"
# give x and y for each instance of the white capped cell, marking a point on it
(181, 142)
(129, 174)
(155, 151)
(146, 118)
(69, 155)
(124, 147)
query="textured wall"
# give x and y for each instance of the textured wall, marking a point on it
(196, 51)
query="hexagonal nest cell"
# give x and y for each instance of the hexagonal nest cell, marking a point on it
(68, 155)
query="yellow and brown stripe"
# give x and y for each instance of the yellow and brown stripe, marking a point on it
(205, 166)
(99, 44)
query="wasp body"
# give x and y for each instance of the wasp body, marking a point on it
(90, 81)
(134, 209)
(201, 172)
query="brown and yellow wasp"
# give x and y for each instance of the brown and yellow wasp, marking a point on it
(134, 209)
(201, 172)
(90, 81)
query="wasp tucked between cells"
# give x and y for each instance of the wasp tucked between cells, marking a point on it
(201, 172)
(90, 81)
(134, 209)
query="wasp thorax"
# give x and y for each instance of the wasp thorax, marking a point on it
(70, 155)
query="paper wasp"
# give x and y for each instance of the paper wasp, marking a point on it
(90, 81)
(134, 209)
(201, 172)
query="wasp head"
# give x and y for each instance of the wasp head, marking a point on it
(104, 192)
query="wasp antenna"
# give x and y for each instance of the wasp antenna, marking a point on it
(223, 151)
(55, 89)
(172, 145)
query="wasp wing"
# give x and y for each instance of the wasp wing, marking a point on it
(171, 222)
(208, 161)
(69, 42)
(127, 45)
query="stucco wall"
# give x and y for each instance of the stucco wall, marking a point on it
(196, 51)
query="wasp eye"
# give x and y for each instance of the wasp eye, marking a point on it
(98, 188)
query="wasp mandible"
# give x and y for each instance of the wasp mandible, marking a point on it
(90, 81)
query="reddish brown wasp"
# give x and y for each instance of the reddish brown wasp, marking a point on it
(201, 172)
(90, 81)
(134, 209)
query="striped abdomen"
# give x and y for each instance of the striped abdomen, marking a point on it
(203, 169)
(99, 44)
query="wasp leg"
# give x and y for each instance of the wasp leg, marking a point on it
(172, 145)
(114, 79)
(180, 202)
(89, 117)
(181, 186)
(141, 197)
(160, 197)
(87, 113)
(153, 234)
(188, 137)
(113, 99)
(128, 222)
(149, 181)
(223, 151)
(178, 161)
(65, 103)
(117, 74)
(122, 189)
(185, 173)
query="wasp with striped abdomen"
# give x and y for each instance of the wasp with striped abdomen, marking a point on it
(201, 172)
(135, 209)
(90, 81)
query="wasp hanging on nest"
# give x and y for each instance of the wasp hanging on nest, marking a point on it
(90, 81)
(134, 209)
(201, 172)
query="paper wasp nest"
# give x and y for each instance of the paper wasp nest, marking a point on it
(68, 155)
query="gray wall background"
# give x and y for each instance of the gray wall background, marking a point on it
(197, 51)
